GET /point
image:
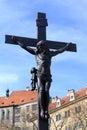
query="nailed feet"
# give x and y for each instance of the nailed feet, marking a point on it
(44, 114)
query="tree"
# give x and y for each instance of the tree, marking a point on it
(79, 116)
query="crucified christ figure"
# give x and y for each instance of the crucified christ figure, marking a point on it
(43, 57)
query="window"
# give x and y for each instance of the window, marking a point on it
(27, 108)
(3, 114)
(58, 102)
(28, 117)
(49, 121)
(72, 97)
(34, 107)
(78, 109)
(67, 113)
(18, 128)
(27, 128)
(8, 115)
(67, 128)
(78, 125)
(17, 118)
(58, 117)
(17, 110)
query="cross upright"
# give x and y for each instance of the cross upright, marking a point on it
(41, 23)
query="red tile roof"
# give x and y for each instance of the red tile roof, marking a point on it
(19, 98)
(24, 96)
(66, 99)
(82, 92)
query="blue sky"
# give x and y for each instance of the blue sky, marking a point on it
(67, 21)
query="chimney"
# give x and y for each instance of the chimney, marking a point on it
(27, 88)
(7, 93)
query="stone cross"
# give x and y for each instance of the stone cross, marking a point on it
(41, 23)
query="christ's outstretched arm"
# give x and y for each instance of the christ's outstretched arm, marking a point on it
(54, 53)
(27, 48)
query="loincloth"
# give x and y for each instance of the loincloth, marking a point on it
(45, 77)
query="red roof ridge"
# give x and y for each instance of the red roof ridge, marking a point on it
(82, 89)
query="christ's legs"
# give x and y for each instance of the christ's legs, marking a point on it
(47, 86)
(41, 96)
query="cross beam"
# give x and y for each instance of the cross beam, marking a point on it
(32, 42)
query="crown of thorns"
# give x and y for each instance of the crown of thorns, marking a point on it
(40, 43)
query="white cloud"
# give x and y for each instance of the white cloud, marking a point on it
(8, 78)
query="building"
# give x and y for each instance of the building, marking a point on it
(18, 111)
(70, 112)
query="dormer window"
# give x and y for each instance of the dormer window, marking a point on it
(72, 96)
(58, 102)
(71, 93)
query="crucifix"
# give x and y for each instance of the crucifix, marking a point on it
(43, 54)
